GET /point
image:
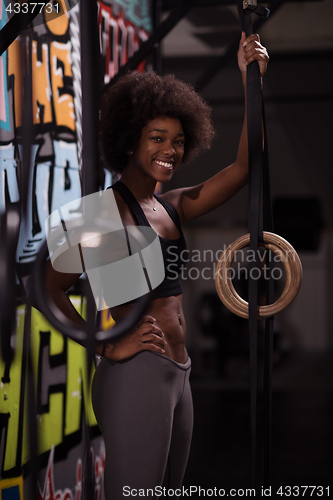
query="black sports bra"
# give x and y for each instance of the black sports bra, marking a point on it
(172, 250)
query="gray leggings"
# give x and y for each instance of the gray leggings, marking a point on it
(143, 407)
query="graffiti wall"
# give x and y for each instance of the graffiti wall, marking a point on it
(48, 53)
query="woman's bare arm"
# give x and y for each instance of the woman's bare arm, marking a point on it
(145, 336)
(192, 202)
(56, 285)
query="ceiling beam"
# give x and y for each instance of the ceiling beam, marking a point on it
(232, 49)
(158, 34)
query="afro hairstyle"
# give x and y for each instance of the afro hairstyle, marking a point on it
(137, 98)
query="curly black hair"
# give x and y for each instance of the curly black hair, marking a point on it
(137, 98)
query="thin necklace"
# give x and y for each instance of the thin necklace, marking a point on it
(153, 208)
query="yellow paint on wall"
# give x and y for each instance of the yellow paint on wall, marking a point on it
(107, 320)
(63, 102)
(17, 56)
(10, 483)
(77, 381)
(41, 86)
(10, 394)
(78, 386)
(49, 425)
(57, 22)
(64, 415)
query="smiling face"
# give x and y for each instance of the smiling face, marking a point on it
(160, 149)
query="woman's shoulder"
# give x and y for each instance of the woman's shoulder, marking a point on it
(124, 210)
(173, 198)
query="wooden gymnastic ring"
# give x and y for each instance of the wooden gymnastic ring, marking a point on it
(292, 266)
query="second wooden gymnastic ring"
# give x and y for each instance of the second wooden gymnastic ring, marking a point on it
(292, 266)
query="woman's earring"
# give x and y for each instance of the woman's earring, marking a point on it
(129, 152)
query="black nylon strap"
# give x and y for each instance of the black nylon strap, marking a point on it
(259, 216)
(269, 324)
(254, 112)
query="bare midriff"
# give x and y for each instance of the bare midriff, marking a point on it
(169, 316)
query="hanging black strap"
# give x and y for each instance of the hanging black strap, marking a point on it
(269, 323)
(257, 216)
(254, 113)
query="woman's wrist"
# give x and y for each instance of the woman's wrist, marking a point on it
(101, 348)
(106, 350)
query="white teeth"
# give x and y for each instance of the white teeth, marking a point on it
(164, 164)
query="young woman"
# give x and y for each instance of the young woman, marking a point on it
(150, 125)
